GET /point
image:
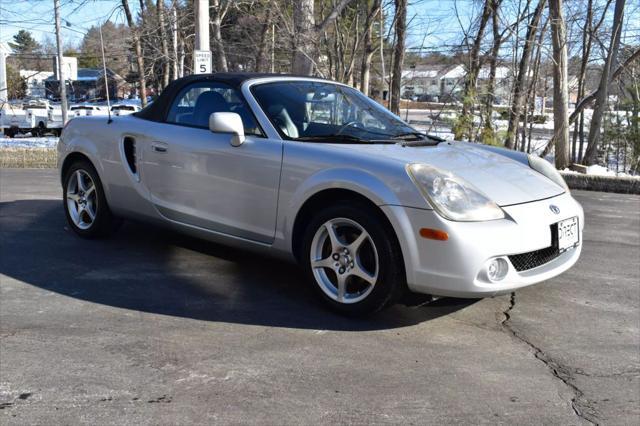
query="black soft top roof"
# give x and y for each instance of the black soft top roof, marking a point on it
(158, 109)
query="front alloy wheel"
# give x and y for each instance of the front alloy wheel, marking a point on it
(352, 258)
(344, 260)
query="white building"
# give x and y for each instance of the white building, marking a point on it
(35, 82)
(443, 82)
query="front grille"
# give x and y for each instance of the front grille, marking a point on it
(533, 259)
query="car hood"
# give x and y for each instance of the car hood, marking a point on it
(502, 179)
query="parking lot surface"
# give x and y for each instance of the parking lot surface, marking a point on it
(150, 327)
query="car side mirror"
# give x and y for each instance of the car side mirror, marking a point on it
(228, 122)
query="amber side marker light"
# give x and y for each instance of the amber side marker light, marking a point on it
(434, 234)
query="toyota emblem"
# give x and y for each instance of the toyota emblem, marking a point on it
(554, 209)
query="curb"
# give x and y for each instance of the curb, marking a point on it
(620, 185)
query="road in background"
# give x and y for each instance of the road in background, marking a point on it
(150, 327)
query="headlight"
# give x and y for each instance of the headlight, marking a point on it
(451, 196)
(545, 168)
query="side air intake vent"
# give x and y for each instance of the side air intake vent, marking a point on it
(130, 154)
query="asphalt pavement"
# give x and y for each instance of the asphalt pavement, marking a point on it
(150, 327)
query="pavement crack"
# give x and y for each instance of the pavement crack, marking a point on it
(581, 406)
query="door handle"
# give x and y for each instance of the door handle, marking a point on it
(159, 147)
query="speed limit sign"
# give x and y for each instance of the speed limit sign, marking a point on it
(202, 62)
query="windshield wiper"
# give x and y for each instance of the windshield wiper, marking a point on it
(336, 138)
(421, 139)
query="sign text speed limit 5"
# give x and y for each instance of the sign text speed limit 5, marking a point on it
(202, 62)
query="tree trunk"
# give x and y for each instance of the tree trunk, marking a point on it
(463, 128)
(398, 54)
(261, 56)
(523, 69)
(304, 24)
(560, 84)
(305, 31)
(218, 45)
(368, 49)
(576, 153)
(138, 49)
(174, 41)
(533, 85)
(488, 132)
(587, 100)
(603, 89)
(166, 66)
(181, 57)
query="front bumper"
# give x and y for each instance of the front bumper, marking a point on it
(456, 267)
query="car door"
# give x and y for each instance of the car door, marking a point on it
(197, 177)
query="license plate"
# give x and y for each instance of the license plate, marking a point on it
(568, 233)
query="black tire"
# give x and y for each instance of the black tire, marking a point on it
(40, 130)
(390, 285)
(10, 132)
(104, 222)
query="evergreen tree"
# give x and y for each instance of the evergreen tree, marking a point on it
(23, 42)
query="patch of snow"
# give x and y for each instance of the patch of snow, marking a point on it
(29, 142)
(597, 170)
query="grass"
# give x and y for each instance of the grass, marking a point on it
(38, 158)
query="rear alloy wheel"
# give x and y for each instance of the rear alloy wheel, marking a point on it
(84, 202)
(353, 259)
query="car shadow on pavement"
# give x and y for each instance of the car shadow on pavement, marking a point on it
(155, 270)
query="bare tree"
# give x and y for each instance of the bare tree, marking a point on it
(368, 47)
(398, 53)
(463, 127)
(523, 69)
(261, 55)
(165, 46)
(488, 133)
(589, 99)
(305, 31)
(138, 50)
(560, 84)
(533, 84)
(603, 89)
(219, 10)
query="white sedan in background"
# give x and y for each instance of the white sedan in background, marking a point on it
(88, 110)
(124, 109)
(316, 172)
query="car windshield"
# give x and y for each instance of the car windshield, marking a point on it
(325, 112)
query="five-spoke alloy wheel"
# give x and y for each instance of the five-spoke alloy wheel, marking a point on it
(344, 260)
(84, 201)
(353, 259)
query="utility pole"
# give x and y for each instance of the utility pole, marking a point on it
(4, 93)
(202, 53)
(63, 87)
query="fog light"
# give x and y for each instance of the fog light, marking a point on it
(497, 269)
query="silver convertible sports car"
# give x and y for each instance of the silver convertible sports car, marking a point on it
(316, 172)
